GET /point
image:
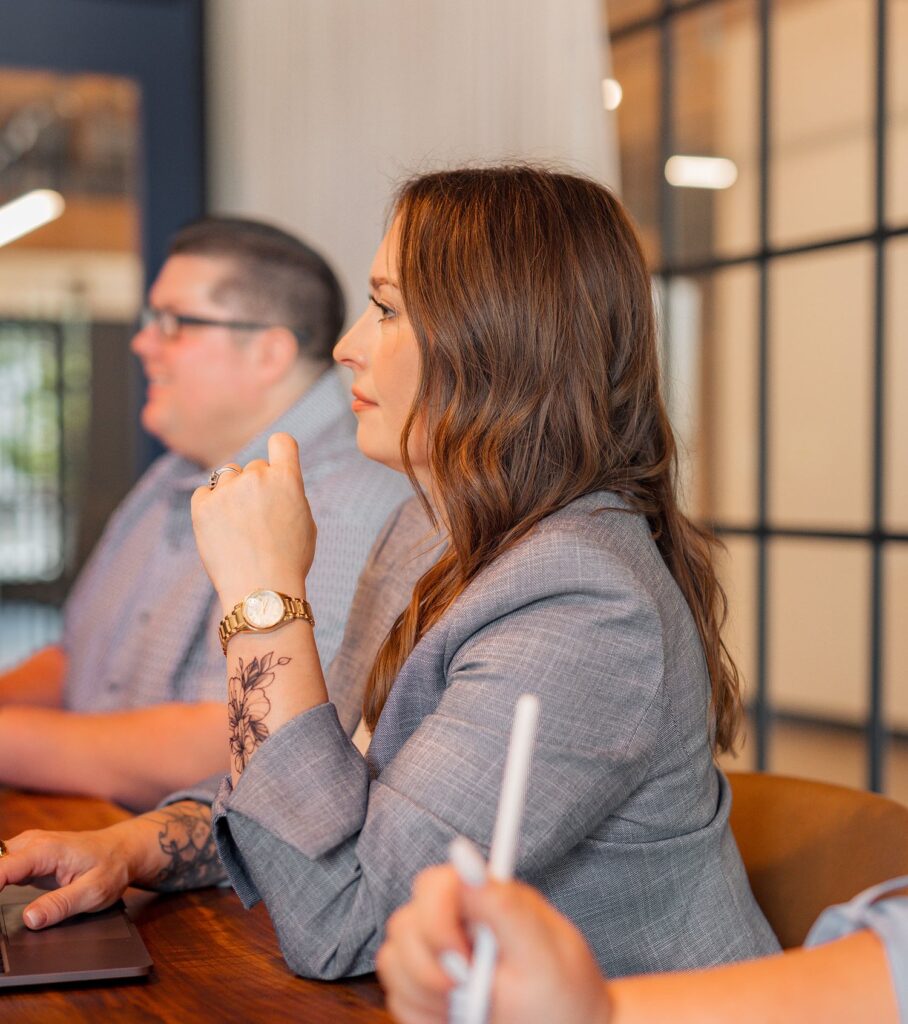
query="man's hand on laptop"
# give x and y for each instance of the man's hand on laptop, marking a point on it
(169, 849)
(91, 869)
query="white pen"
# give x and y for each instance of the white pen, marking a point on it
(470, 1003)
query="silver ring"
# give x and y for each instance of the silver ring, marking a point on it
(4, 850)
(231, 467)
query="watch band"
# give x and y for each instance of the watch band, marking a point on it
(235, 622)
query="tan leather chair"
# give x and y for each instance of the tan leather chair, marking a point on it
(807, 845)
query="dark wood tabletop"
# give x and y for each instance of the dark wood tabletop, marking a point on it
(213, 960)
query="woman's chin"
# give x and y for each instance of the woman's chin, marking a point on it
(378, 453)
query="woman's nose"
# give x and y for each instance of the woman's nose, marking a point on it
(350, 351)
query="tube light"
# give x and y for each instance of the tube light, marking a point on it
(28, 213)
(611, 93)
(700, 172)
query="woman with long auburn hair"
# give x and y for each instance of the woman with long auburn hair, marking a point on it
(540, 384)
(507, 363)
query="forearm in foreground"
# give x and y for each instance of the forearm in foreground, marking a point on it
(836, 983)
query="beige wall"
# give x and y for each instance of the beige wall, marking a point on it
(318, 106)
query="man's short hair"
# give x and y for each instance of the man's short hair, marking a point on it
(279, 279)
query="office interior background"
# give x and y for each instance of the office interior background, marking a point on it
(779, 266)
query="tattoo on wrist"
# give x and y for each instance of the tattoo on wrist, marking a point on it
(248, 706)
(186, 839)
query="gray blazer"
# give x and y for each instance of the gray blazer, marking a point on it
(626, 825)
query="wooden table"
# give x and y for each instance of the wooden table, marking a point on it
(213, 960)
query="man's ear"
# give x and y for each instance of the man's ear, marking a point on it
(276, 353)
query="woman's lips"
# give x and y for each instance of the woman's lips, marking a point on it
(360, 402)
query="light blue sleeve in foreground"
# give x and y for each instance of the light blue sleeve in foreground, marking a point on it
(888, 918)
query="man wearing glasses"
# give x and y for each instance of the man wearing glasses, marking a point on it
(236, 344)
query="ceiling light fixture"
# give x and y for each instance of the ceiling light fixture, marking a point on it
(611, 93)
(700, 172)
(28, 213)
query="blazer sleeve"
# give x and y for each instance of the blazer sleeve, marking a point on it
(332, 852)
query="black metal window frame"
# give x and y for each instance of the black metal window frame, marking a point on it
(764, 529)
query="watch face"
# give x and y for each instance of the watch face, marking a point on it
(263, 609)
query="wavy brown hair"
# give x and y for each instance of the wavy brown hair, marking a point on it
(532, 308)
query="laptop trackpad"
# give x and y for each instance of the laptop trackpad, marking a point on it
(109, 924)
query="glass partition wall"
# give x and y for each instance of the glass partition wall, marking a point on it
(781, 261)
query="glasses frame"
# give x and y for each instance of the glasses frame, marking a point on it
(170, 324)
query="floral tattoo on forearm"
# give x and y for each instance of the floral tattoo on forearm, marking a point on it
(186, 839)
(248, 706)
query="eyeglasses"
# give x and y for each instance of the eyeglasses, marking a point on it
(170, 324)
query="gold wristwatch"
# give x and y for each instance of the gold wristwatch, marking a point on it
(262, 611)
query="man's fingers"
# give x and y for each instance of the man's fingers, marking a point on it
(283, 451)
(84, 895)
(25, 863)
(51, 908)
(36, 856)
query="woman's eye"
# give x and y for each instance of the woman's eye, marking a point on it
(386, 311)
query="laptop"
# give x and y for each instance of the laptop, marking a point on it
(90, 947)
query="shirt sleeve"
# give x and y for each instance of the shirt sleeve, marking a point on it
(332, 852)
(887, 918)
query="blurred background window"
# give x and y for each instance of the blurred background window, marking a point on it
(100, 161)
(70, 287)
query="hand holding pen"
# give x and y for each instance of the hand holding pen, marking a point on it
(470, 1002)
(543, 970)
